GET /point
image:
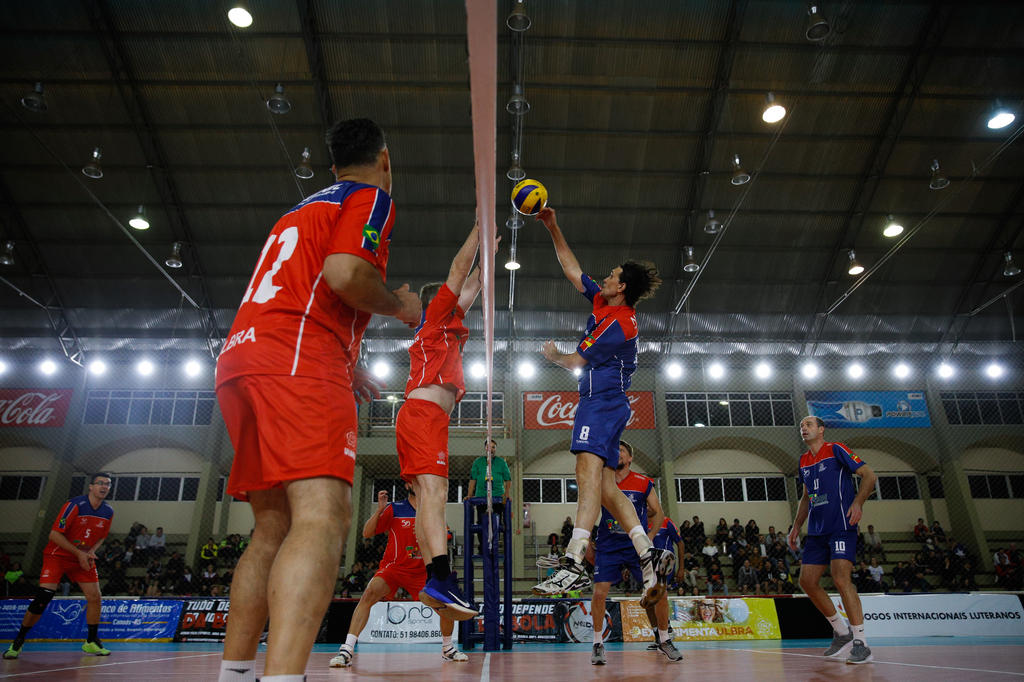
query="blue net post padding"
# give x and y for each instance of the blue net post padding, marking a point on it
(495, 587)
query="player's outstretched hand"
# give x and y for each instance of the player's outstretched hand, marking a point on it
(547, 216)
(365, 386)
(793, 538)
(411, 309)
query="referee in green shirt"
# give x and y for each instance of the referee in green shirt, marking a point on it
(478, 480)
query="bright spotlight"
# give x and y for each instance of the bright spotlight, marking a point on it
(193, 368)
(763, 370)
(381, 369)
(855, 370)
(240, 16)
(901, 370)
(3, 366)
(526, 370)
(477, 370)
(674, 370)
(809, 370)
(994, 371)
(716, 371)
(48, 367)
(946, 370)
(145, 368)
(577, 371)
(97, 368)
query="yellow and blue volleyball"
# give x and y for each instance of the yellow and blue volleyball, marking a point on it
(529, 197)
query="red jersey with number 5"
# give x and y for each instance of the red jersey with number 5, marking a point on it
(290, 322)
(82, 525)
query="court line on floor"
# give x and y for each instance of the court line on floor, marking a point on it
(485, 670)
(912, 665)
(105, 665)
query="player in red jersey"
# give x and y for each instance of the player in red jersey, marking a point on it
(78, 532)
(434, 386)
(401, 566)
(286, 385)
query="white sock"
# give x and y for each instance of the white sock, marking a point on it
(350, 641)
(640, 540)
(446, 642)
(578, 544)
(598, 636)
(283, 678)
(237, 671)
(858, 632)
(838, 624)
(663, 634)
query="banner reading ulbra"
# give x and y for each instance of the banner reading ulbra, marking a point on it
(945, 615)
(707, 619)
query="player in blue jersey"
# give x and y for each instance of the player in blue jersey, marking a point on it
(832, 509)
(606, 357)
(613, 551)
(667, 538)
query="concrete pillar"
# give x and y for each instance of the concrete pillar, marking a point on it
(926, 497)
(206, 497)
(667, 453)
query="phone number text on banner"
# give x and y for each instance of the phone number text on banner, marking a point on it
(402, 621)
(147, 620)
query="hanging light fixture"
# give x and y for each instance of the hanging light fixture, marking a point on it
(817, 27)
(515, 220)
(1011, 269)
(855, 267)
(174, 260)
(517, 19)
(517, 104)
(739, 176)
(690, 265)
(512, 263)
(278, 103)
(939, 180)
(892, 228)
(999, 117)
(93, 169)
(35, 100)
(712, 226)
(773, 112)
(239, 15)
(305, 169)
(515, 172)
(7, 257)
(138, 221)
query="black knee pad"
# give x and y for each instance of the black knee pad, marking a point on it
(43, 597)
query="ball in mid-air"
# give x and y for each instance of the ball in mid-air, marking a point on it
(529, 197)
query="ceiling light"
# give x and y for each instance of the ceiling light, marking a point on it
(517, 19)
(712, 226)
(47, 367)
(97, 368)
(892, 228)
(174, 260)
(3, 366)
(517, 104)
(305, 169)
(35, 100)
(699, 425)
(939, 180)
(93, 169)
(690, 265)
(239, 15)
(999, 117)
(515, 220)
(855, 267)
(739, 176)
(477, 370)
(526, 369)
(381, 369)
(817, 28)
(392, 398)
(145, 368)
(674, 370)
(773, 113)
(723, 403)
(193, 368)
(994, 371)
(763, 370)
(138, 221)
(855, 370)
(809, 370)
(1011, 269)
(901, 370)
(278, 103)
(946, 370)
(716, 371)
(7, 257)
(512, 263)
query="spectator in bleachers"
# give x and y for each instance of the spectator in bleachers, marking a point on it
(786, 585)
(365, 552)
(208, 579)
(965, 578)
(762, 545)
(133, 533)
(916, 577)
(137, 588)
(186, 583)
(773, 536)
(921, 532)
(567, 527)
(771, 578)
(735, 530)
(158, 543)
(721, 533)
(208, 552)
(748, 578)
(141, 553)
(901, 577)
(686, 533)
(1007, 572)
(716, 579)
(859, 576)
(752, 532)
(955, 548)
(554, 544)
(117, 583)
(174, 568)
(949, 574)
(938, 533)
(873, 543)
(876, 572)
(697, 531)
(777, 552)
(1014, 554)
(710, 551)
(355, 581)
(688, 575)
(154, 571)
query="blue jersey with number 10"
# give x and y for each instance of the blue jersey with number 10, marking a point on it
(827, 476)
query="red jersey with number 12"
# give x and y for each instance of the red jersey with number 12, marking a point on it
(290, 322)
(82, 525)
(398, 520)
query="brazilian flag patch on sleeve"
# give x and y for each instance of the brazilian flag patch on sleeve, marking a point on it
(371, 237)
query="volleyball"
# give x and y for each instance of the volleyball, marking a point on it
(529, 197)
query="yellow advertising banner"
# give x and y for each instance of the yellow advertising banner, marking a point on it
(705, 619)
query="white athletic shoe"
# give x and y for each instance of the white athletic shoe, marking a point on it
(343, 659)
(453, 654)
(572, 576)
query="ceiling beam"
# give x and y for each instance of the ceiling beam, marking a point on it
(315, 56)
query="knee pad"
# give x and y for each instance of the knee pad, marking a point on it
(43, 597)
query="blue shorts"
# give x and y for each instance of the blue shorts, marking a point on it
(598, 426)
(608, 565)
(821, 549)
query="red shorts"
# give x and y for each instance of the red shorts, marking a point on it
(286, 428)
(421, 434)
(409, 578)
(56, 566)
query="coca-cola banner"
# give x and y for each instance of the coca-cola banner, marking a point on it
(556, 409)
(34, 407)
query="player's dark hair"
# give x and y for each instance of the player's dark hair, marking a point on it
(641, 280)
(428, 292)
(98, 474)
(355, 142)
(629, 448)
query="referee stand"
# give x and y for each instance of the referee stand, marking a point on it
(495, 546)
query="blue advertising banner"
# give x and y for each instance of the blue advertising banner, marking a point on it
(150, 620)
(869, 409)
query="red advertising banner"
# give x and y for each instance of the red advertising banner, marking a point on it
(556, 409)
(34, 407)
